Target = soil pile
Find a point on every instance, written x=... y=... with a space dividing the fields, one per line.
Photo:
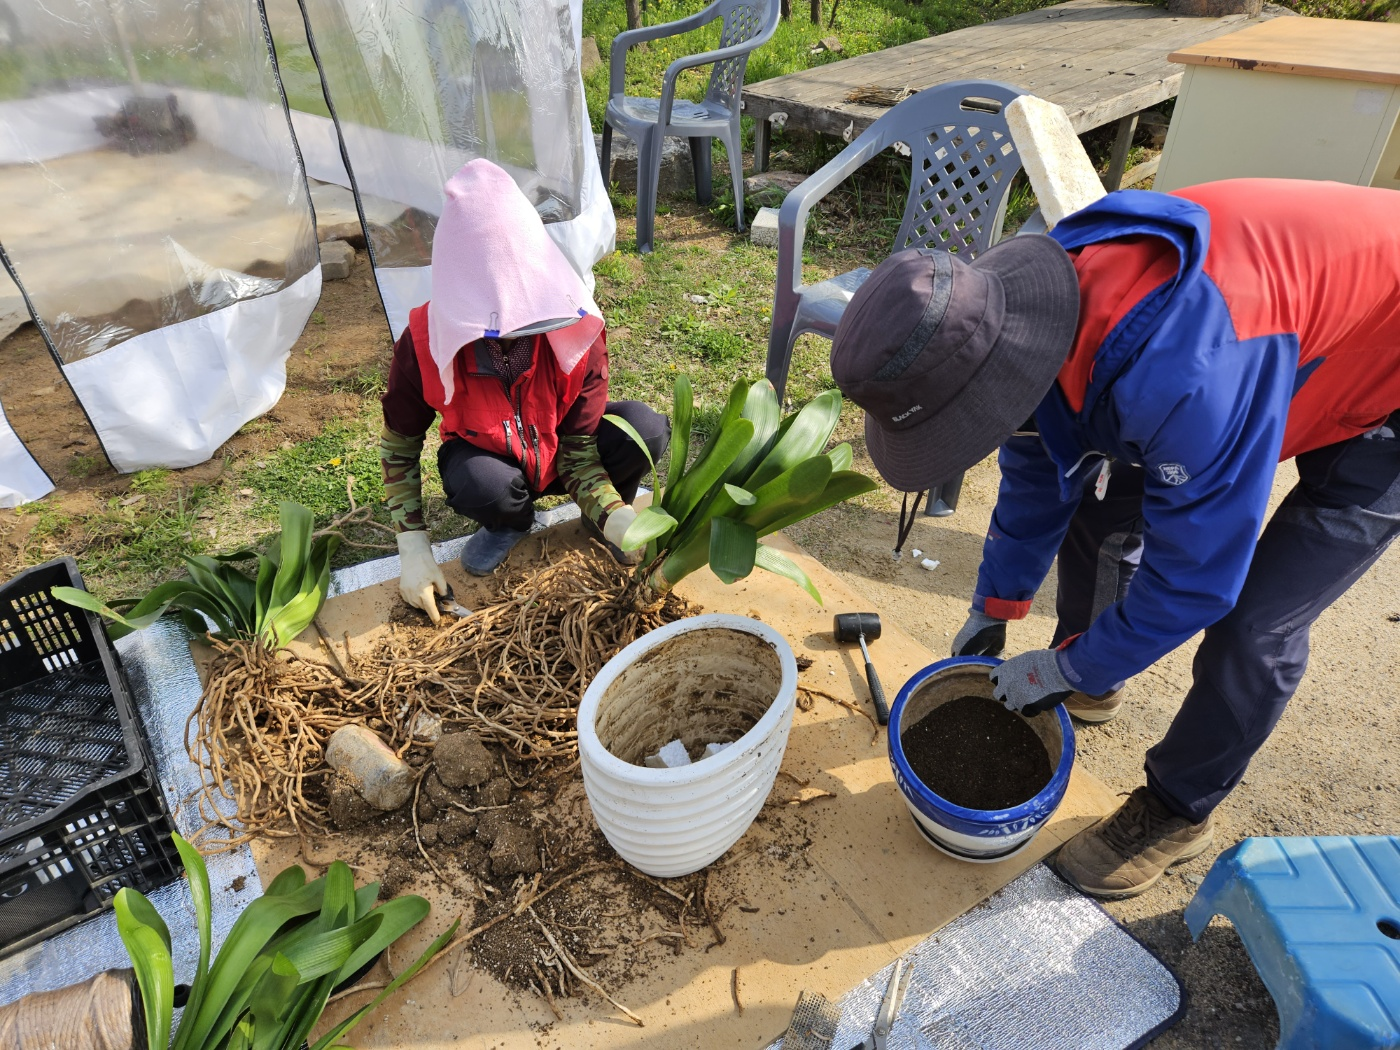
x=550 y=908
x=975 y=753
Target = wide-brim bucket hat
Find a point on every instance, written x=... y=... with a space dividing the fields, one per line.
x=949 y=357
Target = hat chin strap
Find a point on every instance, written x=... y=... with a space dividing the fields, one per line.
x=906 y=527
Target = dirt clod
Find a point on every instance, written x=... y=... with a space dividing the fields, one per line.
x=437 y=793
x=398 y=878
x=428 y=834
x=462 y=760
x=346 y=806
x=488 y=826
x=456 y=827
x=516 y=852
x=495 y=792
x=426 y=810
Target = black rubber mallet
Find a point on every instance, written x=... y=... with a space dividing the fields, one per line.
x=857 y=627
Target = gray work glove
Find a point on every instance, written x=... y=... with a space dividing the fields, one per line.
x=1032 y=682
x=982 y=635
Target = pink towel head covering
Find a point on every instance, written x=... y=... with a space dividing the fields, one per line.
x=496 y=270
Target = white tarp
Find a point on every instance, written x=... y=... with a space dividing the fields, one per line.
x=21 y=479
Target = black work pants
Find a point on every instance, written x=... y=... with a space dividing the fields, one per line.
x=492 y=489
x=1340 y=517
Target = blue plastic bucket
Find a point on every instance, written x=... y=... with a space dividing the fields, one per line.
x=976 y=835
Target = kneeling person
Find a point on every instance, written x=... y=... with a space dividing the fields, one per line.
x=512 y=354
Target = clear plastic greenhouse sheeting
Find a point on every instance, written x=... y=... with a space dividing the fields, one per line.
x=419 y=87
x=156 y=215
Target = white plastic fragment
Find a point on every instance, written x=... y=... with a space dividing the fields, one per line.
x=1061 y=174
x=382 y=779
x=930 y=564
x=917 y=553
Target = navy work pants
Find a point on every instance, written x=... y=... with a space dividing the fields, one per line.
x=492 y=490
x=1329 y=530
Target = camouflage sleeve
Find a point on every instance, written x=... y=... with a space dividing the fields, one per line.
x=581 y=470
x=403 y=479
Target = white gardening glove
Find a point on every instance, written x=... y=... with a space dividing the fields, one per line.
x=617 y=523
x=419 y=574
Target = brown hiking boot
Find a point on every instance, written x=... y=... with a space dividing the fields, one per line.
x=1128 y=851
x=1099 y=708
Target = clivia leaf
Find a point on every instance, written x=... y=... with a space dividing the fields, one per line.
x=147 y=941
x=631 y=431
x=741 y=497
x=777 y=562
x=732 y=548
x=651 y=523
x=682 y=411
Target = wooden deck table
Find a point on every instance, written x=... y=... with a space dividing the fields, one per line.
x=1102 y=60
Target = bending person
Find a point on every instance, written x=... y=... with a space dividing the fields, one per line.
x=511 y=352
x=1165 y=352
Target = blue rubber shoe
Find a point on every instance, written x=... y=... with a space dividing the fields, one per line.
x=487 y=548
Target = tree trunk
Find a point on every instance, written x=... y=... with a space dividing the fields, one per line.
x=634 y=14
x=816 y=12
x=785 y=9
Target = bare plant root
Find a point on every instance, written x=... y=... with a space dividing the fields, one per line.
x=515 y=670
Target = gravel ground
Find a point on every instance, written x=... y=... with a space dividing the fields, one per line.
x=1328 y=769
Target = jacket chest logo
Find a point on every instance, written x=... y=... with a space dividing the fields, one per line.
x=1174 y=473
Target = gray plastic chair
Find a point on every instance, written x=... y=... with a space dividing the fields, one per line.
x=748 y=24
x=963 y=161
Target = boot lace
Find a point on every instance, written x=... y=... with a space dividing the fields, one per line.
x=1135 y=825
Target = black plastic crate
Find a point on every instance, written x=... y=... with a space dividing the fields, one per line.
x=81 y=811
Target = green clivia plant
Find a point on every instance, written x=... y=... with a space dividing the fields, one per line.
x=757 y=473
x=273 y=606
x=276 y=970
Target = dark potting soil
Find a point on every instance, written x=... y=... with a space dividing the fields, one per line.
x=975 y=753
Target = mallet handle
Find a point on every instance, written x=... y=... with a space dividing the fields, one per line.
x=877 y=691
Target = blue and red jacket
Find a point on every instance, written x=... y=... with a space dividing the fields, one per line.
x=1222 y=328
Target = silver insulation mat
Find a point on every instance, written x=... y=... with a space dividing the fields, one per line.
x=1035 y=967
x=166 y=688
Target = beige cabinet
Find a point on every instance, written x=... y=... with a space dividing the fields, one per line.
x=1296 y=98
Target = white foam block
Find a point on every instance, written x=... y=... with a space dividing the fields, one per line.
x=669 y=757
x=1060 y=171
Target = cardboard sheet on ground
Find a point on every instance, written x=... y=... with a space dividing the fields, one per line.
x=870 y=888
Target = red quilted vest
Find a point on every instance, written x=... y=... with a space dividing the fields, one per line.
x=520 y=422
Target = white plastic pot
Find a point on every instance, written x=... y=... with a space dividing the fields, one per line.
x=706 y=679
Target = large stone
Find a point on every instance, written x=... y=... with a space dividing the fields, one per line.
x=787 y=181
x=337 y=260
x=367 y=764
x=1061 y=174
x=764 y=228
x=589 y=57
x=677 y=175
